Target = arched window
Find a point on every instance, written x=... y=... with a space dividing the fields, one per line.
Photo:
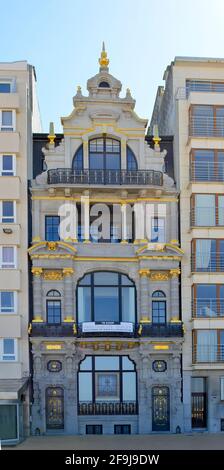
x=104 y=85
x=53 y=307
x=159 y=308
x=131 y=160
x=105 y=296
x=77 y=163
x=104 y=154
x=108 y=379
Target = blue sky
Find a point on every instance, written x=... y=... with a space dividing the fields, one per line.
x=62 y=39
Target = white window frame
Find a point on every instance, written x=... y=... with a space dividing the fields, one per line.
x=14 y=264
x=9 y=312
x=222 y=388
x=8 y=128
x=2 y=354
x=2 y=171
x=9 y=217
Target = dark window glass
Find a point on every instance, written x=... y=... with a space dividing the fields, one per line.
x=104 y=85
x=122 y=429
x=104 y=154
x=7 y=212
x=104 y=297
x=8 y=422
x=94 y=429
x=5 y=87
x=159 y=312
x=77 y=163
x=158 y=293
x=7 y=165
x=131 y=160
x=51 y=227
x=54 y=311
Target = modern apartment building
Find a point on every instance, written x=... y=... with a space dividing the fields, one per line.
x=191 y=107
x=19 y=117
x=106 y=332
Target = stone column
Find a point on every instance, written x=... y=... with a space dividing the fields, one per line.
x=37 y=293
x=36 y=230
x=123 y=153
x=68 y=295
x=144 y=294
x=174 y=294
x=124 y=227
x=85 y=154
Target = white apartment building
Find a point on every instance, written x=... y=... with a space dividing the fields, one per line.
x=19 y=117
x=191 y=107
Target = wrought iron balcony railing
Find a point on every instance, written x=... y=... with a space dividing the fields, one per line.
x=114 y=330
x=206 y=126
x=207 y=171
x=108 y=408
x=208 y=353
x=166 y=330
x=105 y=177
x=205 y=262
x=44 y=329
x=208 y=308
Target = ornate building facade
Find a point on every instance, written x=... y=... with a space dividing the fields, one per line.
x=106 y=332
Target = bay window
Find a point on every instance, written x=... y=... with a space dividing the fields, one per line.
x=8 y=349
x=7 y=120
x=208 y=346
x=106 y=297
x=207 y=210
x=7 y=302
x=7 y=257
x=208 y=255
x=7 y=165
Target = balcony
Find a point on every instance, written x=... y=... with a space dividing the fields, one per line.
x=108 y=408
x=208 y=353
x=206 y=262
x=207 y=171
x=206 y=126
x=163 y=330
x=105 y=177
x=45 y=330
x=208 y=308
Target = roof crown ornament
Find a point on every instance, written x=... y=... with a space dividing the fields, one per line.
x=156 y=139
x=51 y=136
x=103 y=60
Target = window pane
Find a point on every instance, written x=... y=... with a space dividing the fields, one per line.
x=106 y=304
x=5 y=88
x=85 y=386
x=221 y=210
x=206 y=302
x=86 y=364
x=51 y=228
x=86 y=280
x=106 y=363
x=127 y=364
x=96 y=161
x=7 y=301
x=105 y=278
x=8 y=211
x=8 y=346
x=205 y=209
x=107 y=386
x=54 y=311
x=198 y=385
x=158 y=230
x=129 y=386
x=207 y=346
x=125 y=281
x=7 y=118
x=7 y=162
x=128 y=304
x=8 y=422
x=7 y=256
x=206 y=255
x=113 y=161
x=84 y=304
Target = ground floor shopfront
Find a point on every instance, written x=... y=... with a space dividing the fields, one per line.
x=106 y=387
x=14 y=410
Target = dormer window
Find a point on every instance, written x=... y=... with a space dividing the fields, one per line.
x=104 y=85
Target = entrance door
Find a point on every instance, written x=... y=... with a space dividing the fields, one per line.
x=54 y=408
x=160 y=409
x=198 y=410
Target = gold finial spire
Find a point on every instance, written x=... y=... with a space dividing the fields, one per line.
x=103 y=60
x=51 y=136
x=156 y=139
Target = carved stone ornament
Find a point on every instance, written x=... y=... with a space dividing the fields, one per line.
x=159 y=276
x=52 y=275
